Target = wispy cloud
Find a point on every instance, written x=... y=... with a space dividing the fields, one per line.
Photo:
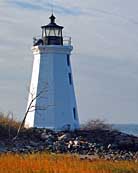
x=60 y=8
x=91 y=11
x=67 y=11
x=27 y=5
x=45 y=6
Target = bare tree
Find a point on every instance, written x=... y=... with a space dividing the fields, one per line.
x=31 y=107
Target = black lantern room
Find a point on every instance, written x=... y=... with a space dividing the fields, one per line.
x=52 y=33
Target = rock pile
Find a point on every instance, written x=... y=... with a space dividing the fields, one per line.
x=98 y=143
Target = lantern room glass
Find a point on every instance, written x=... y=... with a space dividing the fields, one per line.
x=53 y=32
x=43 y=32
x=58 y=32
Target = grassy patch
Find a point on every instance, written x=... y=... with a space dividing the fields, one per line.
x=52 y=163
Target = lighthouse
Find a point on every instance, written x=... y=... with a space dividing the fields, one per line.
x=52 y=102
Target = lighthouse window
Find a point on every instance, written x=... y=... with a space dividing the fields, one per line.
x=70 y=79
x=44 y=32
x=52 y=32
x=56 y=32
x=74 y=113
x=68 y=60
x=60 y=33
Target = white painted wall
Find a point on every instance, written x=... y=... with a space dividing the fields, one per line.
x=54 y=107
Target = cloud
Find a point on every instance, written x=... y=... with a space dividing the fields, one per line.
x=104 y=59
x=45 y=6
x=27 y=5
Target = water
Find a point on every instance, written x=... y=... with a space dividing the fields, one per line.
x=131 y=129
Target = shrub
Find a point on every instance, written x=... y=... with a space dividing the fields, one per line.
x=8 y=126
x=96 y=124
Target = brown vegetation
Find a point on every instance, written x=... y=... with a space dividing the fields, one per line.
x=96 y=124
x=52 y=163
x=5 y=120
x=8 y=126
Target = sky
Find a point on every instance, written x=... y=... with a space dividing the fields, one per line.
x=104 y=60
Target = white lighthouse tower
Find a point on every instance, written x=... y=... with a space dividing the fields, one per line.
x=52 y=102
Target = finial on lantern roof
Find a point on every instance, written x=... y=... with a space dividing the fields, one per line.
x=52 y=18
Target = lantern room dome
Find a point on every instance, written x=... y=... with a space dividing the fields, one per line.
x=52 y=33
x=52 y=23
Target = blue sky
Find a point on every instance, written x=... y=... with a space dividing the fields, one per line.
x=104 y=60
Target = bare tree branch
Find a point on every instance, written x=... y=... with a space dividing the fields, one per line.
x=30 y=106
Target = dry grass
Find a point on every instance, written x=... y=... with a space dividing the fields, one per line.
x=8 y=126
x=48 y=163
x=6 y=121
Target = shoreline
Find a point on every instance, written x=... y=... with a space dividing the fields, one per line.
x=105 y=144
